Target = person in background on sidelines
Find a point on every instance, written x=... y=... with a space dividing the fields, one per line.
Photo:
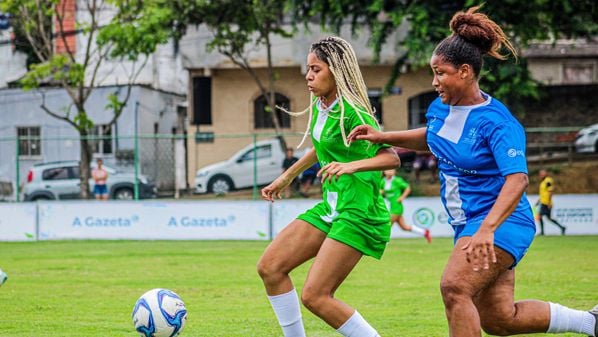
x=100 y=175
x=425 y=160
x=480 y=149
x=351 y=220
x=288 y=161
x=395 y=189
x=545 y=201
x=307 y=179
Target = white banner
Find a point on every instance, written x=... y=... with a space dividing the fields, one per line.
x=172 y=220
x=17 y=222
x=232 y=220
x=579 y=213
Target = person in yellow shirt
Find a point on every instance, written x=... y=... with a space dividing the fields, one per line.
x=545 y=201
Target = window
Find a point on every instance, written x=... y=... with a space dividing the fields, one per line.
x=375 y=97
x=418 y=106
x=102 y=144
x=58 y=173
x=263 y=118
x=262 y=152
x=29 y=142
x=578 y=73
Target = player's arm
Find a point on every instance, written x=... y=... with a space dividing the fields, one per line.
x=384 y=159
x=273 y=190
x=410 y=139
x=507 y=201
x=405 y=193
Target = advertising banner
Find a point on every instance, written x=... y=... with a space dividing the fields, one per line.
x=171 y=220
x=17 y=222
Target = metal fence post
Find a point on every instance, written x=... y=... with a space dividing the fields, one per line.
x=18 y=174
x=254 y=166
x=136 y=153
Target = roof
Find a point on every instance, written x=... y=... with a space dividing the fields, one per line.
x=562 y=49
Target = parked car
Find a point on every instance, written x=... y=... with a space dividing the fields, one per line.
x=237 y=171
x=61 y=180
x=587 y=139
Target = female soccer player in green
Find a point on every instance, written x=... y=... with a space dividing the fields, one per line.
x=395 y=189
x=352 y=220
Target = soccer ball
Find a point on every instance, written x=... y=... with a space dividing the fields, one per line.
x=3 y=277
x=159 y=313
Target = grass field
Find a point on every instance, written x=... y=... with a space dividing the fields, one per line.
x=88 y=288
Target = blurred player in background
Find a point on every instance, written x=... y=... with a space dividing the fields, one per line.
x=545 y=201
x=395 y=189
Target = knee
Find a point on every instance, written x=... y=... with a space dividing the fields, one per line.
x=267 y=269
x=453 y=292
x=312 y=299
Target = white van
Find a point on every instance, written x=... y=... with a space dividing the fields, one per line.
x=237 y=172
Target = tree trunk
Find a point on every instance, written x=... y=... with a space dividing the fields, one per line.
x=271 y=98
x=84 y=169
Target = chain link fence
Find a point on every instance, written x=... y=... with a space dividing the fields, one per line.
x=167 y=162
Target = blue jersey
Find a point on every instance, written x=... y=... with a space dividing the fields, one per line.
x=476 y=147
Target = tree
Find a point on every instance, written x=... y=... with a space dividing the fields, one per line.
x=238 y=27
x=426 y=24
x=75 y=71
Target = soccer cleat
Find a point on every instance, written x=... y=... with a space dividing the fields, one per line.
x=563 y=229
x=3 y=277
x=428 y=236
x=594 y=312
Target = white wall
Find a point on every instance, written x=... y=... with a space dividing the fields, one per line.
x=230 y=220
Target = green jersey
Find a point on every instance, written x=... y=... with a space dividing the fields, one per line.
x=352 y=210
x=393 y=188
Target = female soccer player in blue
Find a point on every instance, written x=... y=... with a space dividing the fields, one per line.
x=480 y=149
x=352 y=220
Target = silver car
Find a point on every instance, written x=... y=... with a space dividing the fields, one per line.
x=61 y=181
x=587 y=139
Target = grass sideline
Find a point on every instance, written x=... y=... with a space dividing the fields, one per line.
x=88 y=288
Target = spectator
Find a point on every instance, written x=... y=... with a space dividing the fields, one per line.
x=100 y=175
x=288 y=161
x=307 y=179
x=425 y=160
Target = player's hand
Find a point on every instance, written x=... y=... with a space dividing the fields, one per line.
x=365 y=132
x=334 y=170
x=275 y=189
x=479 y=250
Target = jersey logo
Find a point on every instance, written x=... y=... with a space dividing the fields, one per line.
x=512 y=153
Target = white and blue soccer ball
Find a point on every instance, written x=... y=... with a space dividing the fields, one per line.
x=159 y=313
x=3 y=277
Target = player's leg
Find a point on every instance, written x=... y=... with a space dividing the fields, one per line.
x=414 y=229
x=334 y=262
x=460 y=284
x=394 y=219
x=549 y=215
x=501 y=316
x=294 y=245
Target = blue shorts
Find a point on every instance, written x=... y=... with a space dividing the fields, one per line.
x=513 y=236
x=100 y=190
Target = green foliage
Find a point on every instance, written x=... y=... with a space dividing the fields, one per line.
x=422 y=24
x=88 y=288
x=58 y=69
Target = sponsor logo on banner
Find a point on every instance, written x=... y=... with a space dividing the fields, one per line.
x=188 y=221
x=423 y=217
x=92 y=221
x=578 y=215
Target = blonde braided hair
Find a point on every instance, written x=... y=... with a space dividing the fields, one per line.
x=340 y=58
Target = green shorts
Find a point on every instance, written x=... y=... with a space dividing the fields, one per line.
x=395 y=208
x=351 y=227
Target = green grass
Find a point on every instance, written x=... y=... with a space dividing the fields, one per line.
x=88 y=288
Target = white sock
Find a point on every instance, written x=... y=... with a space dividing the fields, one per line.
x=563 y=319
x=356 y=326
x=418 y=230
x=287 y=310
